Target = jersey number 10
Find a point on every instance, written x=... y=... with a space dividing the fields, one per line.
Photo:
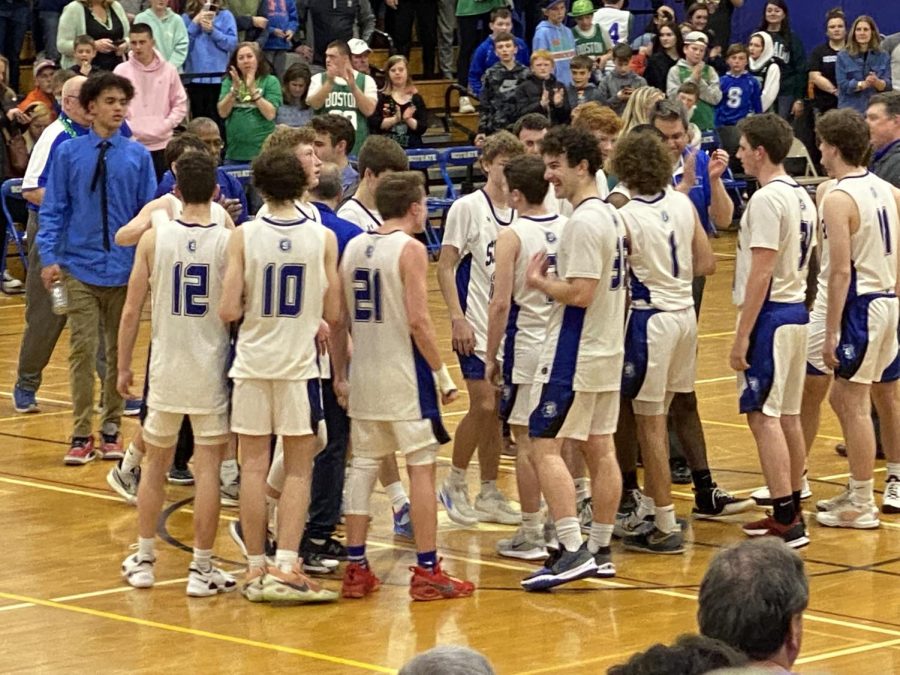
x=283 y=290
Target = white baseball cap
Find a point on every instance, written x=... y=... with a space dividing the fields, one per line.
x=358 y=47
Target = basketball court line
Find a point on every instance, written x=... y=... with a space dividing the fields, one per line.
x=222 y=637
x=93 y=594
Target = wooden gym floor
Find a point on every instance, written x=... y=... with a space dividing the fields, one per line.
x=64 y=607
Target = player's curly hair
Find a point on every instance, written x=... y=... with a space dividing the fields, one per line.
x=593 y=116
x=643 y=163
x=501 y=143
x=576 y=145
x=279 y=175
x=288 y=138
x=845 y=129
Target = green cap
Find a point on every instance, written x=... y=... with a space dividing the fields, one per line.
x=581 y=7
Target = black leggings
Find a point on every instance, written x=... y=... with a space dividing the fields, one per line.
x=472 y=32
x=425 y=13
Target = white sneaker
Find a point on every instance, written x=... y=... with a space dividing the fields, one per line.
x=850 y=514
x=523 y=546
x=229 y=495
x=838 y=500
x=763 y=497
x=494 y=507
x=585 y=514
x=125 y=483
x=203 y=584
x=891 y=501
x=455 y=499
x=465 y=105
x=138 y=572
x=13 y=285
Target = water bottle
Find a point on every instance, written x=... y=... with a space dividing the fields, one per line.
x=59 y=297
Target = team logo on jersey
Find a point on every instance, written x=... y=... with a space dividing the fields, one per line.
x=665 y=217
x=550 y=236
x=285 y=244
x=192 y=245
x=549 y=409
x=370 y=251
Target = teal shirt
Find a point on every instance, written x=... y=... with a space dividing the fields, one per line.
x=170 y=35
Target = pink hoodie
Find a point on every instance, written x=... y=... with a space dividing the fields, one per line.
x=159 y=103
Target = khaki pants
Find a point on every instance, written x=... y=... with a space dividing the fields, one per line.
x=89 y=306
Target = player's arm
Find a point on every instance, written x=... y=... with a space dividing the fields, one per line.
x=575 y=291
x=232 y=306
x=701 y=250
x=462 y=334
x=762 y=266
x=331 y=303
x=138 y=286
x=838 y=211
x=721 y=207
x=413 y=274
x=130 y=233
x=339 y=349
x=505 y=254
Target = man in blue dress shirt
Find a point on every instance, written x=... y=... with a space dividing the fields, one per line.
x=97 y=183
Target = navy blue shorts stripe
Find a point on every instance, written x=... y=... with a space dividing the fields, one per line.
x=634 y=370
x=548 y=418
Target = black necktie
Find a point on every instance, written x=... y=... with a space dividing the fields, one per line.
x=100 y=177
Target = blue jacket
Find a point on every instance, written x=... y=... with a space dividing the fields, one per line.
x=741 y=96
x=229 y=187
x=853 y=69
x=72 y=232
x=281 y=14
x=559 y=41
x=344 y=230
x=209 y=52
x=485 y=56
x=701 y=193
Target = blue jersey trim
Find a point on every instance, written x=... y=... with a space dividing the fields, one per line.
x=463 y=276
x=569 y=340
x=509 y=347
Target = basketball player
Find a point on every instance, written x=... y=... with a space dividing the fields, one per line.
x=392 y=396
x=521 y=313
x=580 y=364
x=465 y=274
x=667 y=248
x=769 y=350
x=861 y=216
x=282 y=280
x=379 y=156
x=300 y=141
x=183 y=262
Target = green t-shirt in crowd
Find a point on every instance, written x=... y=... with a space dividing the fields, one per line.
x=245 y=128
x=476 y=7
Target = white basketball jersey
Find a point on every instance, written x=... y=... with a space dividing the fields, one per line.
x=189 y=342
x=306 y=210
x=660 y=260
x=562 y=206
x=584 y=347
x=284 y=287
x=780 y=216
x=530 y=309
x=216 y=210
x=615 y=21
x=820 y=304
x=473 y=223
x=389 y=379
x=873 y=248
x=354 y=211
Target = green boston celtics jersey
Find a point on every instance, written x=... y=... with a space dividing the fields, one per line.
x=340 y=101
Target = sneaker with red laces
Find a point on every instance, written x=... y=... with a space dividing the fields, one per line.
x=111 y=447
x=359 y=581
x=435 y=585
x=81 y=451
x=793 y=534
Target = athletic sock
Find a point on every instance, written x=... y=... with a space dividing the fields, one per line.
x=599 y=538
x=532 y=523
x=272 y=513
x=203 y=559
x=397 y=495
x=427 y=560
x=665 y=518
x=862 y=491
x=132 y=458
x=488 y=487
x=630 y=480
x=796 y=497
x=568 y=532
x=582 y=488
x=285 y=559
x=702 y=480
x=147 y=548
x=457 y=476
x=228 y=472
x=357 y=554
x=783 y=509
x=256 y=562
x=893 y=469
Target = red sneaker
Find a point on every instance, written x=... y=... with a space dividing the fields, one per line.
x=435 y=585
x=111 y=447
x=81 y=452
x=359 y=581
x=794 y=534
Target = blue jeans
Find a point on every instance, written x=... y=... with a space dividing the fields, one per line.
x=14 y=22
x=50 y=24
x=327 y=488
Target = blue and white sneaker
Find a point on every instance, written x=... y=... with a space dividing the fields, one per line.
x=562 y=567
x=133 y=406
x=24 y=401
x=403 y=523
